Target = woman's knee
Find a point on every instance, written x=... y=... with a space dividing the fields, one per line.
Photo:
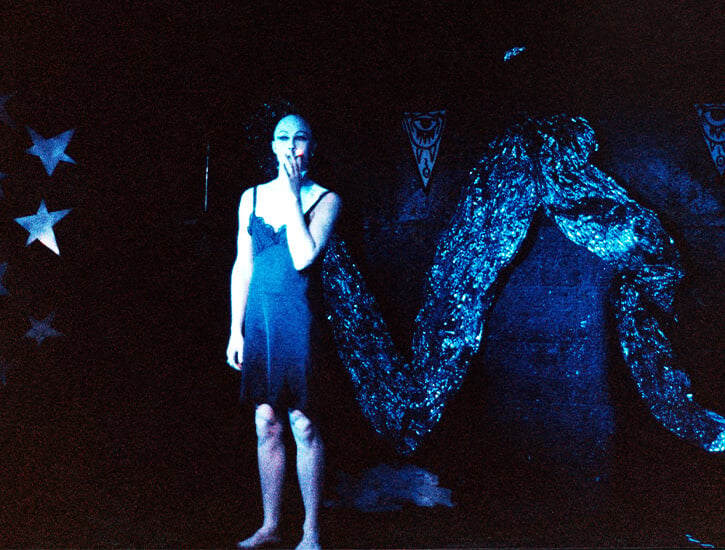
x=304 y=430
x=267 y=424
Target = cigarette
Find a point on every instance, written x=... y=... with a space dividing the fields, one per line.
x=299 y=152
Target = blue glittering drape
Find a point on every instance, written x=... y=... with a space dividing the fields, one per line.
x=535 y=164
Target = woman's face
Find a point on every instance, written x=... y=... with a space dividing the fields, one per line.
x=293 y=136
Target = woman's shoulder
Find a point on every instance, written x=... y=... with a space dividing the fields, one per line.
x=246 y=197
x=259 y=189
x=322 y=199
x=320 y=192
x=246 y=201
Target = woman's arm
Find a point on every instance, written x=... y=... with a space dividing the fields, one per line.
x=307 y=241
x=241 y=275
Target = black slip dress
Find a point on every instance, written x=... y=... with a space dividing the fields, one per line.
x=281 y=319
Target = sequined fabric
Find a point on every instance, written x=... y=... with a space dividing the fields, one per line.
x=535 y=164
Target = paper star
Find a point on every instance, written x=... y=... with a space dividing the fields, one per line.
x=4 y=117
x=3 y=268
x=41 y=225
x=52 y=150
x=42 y=329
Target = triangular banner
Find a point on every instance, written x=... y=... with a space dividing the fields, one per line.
x=712 y=118
x=424 y=132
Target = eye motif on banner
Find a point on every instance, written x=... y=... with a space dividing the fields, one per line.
x=40 y=226
x=712 y=118
x=424 y=132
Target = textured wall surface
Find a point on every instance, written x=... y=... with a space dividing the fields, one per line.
x=548 y=385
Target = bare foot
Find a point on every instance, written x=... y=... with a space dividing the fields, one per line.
x=309 y=542
x=260 y=539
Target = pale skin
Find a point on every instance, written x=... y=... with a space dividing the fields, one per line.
x=283 y=201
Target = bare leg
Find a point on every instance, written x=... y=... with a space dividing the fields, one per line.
x=310 y=466
x=271 y=458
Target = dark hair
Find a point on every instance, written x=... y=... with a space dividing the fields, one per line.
x=259 y=131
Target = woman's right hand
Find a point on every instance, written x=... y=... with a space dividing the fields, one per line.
x=291 y=169
x=234 y=350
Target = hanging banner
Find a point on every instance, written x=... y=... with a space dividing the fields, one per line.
x=712 y=118
x=424 y=132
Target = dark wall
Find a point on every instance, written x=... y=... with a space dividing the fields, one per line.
x=150 y=85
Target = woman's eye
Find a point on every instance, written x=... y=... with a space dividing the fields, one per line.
x=282 y=138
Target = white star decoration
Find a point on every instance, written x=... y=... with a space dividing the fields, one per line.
x=42 y=329
x=4 y=117
x=3 y=268
x=52 y=150
x=40 y=226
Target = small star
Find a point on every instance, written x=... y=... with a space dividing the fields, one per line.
x=4 y=117
x=42 y=329
x=52 y=150
x=3 y=269
x=41 y=225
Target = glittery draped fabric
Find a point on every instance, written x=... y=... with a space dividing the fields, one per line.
x=535 y=164
x=594 y=212
x=382 y=388
x=485 y=234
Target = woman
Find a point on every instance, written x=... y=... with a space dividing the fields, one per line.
x=284 y=226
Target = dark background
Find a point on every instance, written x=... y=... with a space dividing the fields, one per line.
x=126 y=431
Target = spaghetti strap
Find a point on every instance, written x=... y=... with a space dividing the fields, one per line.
x=311 y=208
x=254 y=201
